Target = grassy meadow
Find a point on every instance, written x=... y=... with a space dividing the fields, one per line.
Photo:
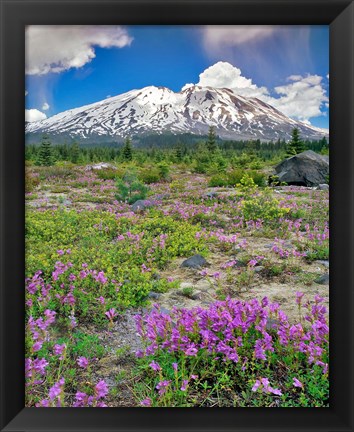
x=114 y=319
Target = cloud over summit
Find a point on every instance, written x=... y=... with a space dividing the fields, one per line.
x=302 y=97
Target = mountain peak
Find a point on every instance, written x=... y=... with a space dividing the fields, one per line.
x=158 y=110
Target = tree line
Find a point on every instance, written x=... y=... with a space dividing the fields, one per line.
x=200 y=152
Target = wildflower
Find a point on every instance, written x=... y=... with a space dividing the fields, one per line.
x=175 y=366
x=252 y=263
x=146 y=402
x=39 y=365
x=101 y=278
x=299 y=296
x=37 y=346
x=56 y=390
x=162 y=387
x=101 y=300
x=82 y=362
x=155 y=366
x=58 y=349
x=43 y=403
x=80 y=399
x=263 y=385
x=297 y=383
x=110 y=314
x=101 y=389
x=184 y=385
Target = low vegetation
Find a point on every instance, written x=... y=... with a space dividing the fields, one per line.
x=111 y=312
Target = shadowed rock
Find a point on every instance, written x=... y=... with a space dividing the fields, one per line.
x=196 y=261
x=304 y=169
x=323 y=280
x=141 y=205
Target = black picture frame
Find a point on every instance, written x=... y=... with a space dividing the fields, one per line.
x=339 y=15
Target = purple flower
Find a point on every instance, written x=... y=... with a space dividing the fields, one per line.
x=82 y=362
x=162 y=387
x=80 y=399
x=101 y=389
x=58 y=349
x=101 y=278
x=101 y=300
x=56 y=390
x=297 y=383
x=299 y=296
x=184 y=385
x=37 y=346
x=175 y=366
x=110 y=314
x=155 y=366
x=146 y=402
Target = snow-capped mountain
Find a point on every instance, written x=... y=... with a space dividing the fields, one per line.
x=157 y=110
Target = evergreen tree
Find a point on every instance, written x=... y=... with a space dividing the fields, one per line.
x=45 y=156
x=211 y=142
x=179 y=154
x=295 y=146
x=324 y=144
x=74 y=153
x=127 y=150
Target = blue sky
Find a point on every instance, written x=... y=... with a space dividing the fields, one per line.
x=70 y=66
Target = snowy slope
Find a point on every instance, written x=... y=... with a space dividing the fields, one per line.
x=159 y=110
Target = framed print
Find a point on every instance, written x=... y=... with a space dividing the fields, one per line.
x=183 y=165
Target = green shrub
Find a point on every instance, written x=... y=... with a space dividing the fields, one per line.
x=130 y=189
x=31 y=181
x=218 y=180
x=107 y=174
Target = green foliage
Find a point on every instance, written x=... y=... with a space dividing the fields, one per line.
x=211 y=141
x=87 y=345
x=45 y=156
x=296 y=145
x=127 y=151
x=234 y=177
x=260 y=206
x=31 y=181
x=74 y=153
x=164 y=170
x=107 y=174
x=130 y=189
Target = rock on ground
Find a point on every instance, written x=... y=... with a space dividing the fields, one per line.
x=196 y=261
x=304 y=169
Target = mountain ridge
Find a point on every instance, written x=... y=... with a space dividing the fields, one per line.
x=157 y=110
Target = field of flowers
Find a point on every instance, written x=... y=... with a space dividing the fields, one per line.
x=113 y=319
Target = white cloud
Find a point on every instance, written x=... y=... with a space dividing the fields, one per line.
x=301 y=98
x=32 y=115
x=58 y=48
x=223 y=74
x=26 y=92
x=45 y=106
x=219 y=36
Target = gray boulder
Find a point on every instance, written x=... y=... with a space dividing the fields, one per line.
x=323 y=280
x=153 y=295
x=99 y=166
x=196 y=261
x=141 y=205
x=323 y=187
x=304 y=169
